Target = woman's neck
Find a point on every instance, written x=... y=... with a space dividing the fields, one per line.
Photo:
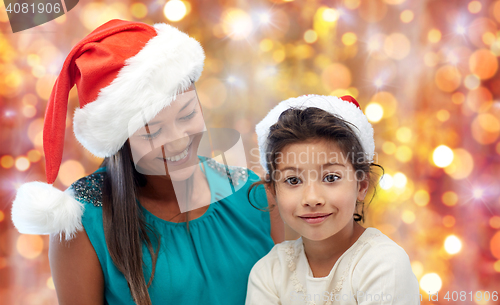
x=167 y=198
x=322 y=255
x=158 y=188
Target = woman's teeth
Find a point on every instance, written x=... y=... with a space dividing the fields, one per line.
x=180 y=156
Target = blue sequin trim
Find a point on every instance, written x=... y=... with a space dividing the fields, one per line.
x=235 y=174
x=89 y=189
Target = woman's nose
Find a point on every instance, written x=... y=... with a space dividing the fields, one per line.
x=176 y=146
x=174 y=140
x=312 y=195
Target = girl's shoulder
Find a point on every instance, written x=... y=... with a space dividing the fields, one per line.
x=371 y=247
x=379 y=244
x=280 y=256
x=382 y=266
x=378 y=251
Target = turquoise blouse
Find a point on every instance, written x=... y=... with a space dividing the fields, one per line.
x=208 y=265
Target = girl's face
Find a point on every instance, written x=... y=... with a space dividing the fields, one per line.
x=168 y=144
x=317 y=189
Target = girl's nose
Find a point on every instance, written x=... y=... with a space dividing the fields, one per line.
x=312 y=195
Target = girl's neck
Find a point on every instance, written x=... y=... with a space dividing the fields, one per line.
x=322 y=255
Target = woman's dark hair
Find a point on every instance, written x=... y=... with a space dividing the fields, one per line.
x=124 y=227
x=311 y=124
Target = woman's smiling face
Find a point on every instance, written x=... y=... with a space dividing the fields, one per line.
x=168 y=144
x=316 y=189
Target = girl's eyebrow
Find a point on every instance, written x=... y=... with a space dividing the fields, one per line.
x=290 y=168
x=183 y=107
x=300 y=169
x=333 y=163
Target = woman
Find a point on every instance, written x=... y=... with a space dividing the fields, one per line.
x=156 y=223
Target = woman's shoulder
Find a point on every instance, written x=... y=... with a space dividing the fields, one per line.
x=234 y=183
x=88 y=190
x=236 y=174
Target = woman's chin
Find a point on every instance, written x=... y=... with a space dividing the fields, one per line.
x=183 y=173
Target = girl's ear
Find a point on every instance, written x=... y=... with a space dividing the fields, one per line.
x=269 y=186
x=363 y=188
x=271 y=189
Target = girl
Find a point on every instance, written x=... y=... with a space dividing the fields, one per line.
x=156 y=223
x=318 y=152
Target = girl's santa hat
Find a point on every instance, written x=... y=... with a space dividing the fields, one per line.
x=345 y=107
x=120 y=69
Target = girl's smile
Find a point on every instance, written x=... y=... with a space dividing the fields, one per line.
x=315 y=218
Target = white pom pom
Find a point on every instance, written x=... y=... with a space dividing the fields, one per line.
x=40 y=208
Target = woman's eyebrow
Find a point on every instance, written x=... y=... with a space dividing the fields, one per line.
x=151 y=123
x=183 y=107
x=187 y=104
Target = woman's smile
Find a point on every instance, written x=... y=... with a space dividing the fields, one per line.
x=179 y=158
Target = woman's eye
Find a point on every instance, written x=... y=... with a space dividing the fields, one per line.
x=189 y=116
x=331 y=178
x=151 y=136
x=292 y=180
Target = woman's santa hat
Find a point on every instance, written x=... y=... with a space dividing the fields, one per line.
x=120 y=69
x=345 y=107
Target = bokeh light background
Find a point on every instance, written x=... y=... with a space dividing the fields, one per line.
x=425 y=73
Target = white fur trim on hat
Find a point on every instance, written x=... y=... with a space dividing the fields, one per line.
x=332 y=104
x=149 y=81
x=40 y=208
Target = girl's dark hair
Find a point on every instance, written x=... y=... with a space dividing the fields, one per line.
x=311 y=124
x=124 y=226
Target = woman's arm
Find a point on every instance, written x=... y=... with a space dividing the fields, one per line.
x=76 y=270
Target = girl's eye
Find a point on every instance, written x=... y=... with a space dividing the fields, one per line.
x=292 y=180
x=189 y=116
x=331 y=178
x=151 y=135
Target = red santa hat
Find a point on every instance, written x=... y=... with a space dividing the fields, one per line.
x=120 y=69
x=345 y=107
